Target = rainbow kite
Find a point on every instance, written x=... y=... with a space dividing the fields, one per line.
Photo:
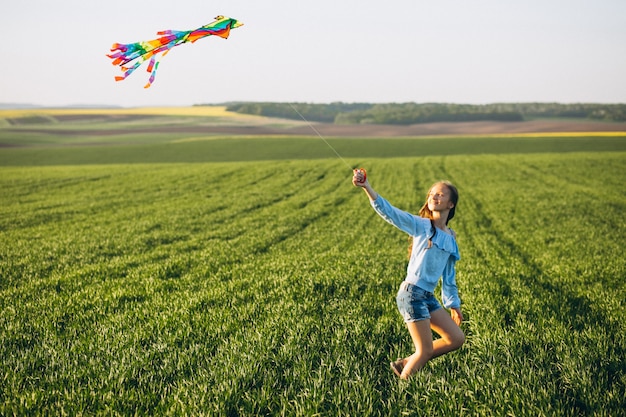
x=124 y=54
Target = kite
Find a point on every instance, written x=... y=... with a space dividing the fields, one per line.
x=124 y=54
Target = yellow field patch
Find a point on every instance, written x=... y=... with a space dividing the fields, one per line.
x=552 y=134
x=505 y=135
x=206 y=111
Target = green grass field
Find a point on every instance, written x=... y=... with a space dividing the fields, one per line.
x=265 y=286
x=176 y=135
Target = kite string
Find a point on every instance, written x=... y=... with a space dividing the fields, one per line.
x=320 y=136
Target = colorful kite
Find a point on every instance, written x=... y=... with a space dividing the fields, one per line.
x=124 y=54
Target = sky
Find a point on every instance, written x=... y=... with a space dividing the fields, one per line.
x=53 y=53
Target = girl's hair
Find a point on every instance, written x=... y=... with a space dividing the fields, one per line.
x=426 y=213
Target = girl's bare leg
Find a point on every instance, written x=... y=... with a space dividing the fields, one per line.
x=452 y=337
x=423 y=341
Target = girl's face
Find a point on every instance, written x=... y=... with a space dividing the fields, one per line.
x=439 y=198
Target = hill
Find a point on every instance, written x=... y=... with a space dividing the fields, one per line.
x=185 y=122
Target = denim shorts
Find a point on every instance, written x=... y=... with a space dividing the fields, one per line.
x=414 y=303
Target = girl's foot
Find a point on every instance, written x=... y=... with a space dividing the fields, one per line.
x=397 y=367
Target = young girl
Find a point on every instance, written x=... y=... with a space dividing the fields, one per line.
x=433 y=254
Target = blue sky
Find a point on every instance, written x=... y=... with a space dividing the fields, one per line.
x=457 y=51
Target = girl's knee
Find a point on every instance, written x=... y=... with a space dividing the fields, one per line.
x=425 y=352
x=457 y=340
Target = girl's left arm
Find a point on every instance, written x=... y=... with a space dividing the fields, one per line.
x=450 y=292
x=399 y=218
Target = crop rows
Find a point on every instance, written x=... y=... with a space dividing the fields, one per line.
x=268 y=288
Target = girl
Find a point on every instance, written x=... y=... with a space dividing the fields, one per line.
x=433 y=254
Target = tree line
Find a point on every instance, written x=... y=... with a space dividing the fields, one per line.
x=412 y=113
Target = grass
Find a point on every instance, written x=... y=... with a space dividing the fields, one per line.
x=267 y=287
x=161 y=149
x=182 y=274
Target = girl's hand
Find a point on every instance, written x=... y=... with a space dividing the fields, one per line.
x=359 y=177
x=456 y=315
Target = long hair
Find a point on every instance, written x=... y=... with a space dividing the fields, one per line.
x=428 y=214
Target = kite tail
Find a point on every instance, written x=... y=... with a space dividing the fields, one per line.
x=128 y=71
x=153 y=66
x=152 y=69
x=122 y=54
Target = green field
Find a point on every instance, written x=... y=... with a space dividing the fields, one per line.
x=179 y=135
x=265 y=284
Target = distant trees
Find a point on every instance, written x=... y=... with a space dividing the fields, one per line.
x=606 y=112
x=412 y=113
x=313 y=112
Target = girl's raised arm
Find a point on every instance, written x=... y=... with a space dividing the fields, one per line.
x=359 y=179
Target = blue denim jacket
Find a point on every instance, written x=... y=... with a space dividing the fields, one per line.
x=426 y=265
